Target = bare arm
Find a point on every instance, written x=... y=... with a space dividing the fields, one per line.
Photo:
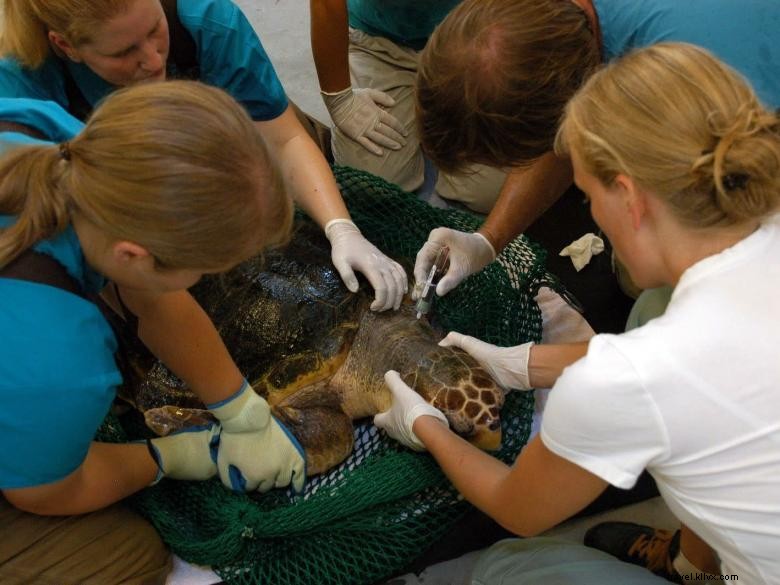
x=536 y=493
x=330 y=43
x=527 y=193
x=546 y=362
x=305 y=172
x=109 y=473
x=180 y=333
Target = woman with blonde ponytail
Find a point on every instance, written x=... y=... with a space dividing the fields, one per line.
x=76 y=52
x=167 y=182
x=681 y=165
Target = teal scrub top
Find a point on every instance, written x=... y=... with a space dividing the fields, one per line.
x=45 y=116
x=230 y=57
x=405 y=22
x=58 y=376
x=743 y=33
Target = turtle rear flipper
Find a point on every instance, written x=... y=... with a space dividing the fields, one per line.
x=324 y=432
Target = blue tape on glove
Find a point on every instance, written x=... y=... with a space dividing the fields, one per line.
x=237 y=481
x=298 y=446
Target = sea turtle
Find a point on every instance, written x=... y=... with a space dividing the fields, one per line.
x=318 y=355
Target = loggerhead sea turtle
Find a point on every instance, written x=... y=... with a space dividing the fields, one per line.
x=318 y=355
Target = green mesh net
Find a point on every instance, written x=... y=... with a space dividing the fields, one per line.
x=366 y=519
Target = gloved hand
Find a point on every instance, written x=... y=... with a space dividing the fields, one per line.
x=256 y=452
x=350 y=251
x=407 y=406
x=359 y=115
x=187 y=454
x=469 y=253
x=507 y=365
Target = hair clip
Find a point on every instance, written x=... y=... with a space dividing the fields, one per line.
x=64 y=150
x=734 y=181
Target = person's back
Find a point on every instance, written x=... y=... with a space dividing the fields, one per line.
x=751 y=45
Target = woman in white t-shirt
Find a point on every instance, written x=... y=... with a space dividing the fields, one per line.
x=681 y=165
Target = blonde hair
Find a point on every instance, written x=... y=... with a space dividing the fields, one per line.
x=495 y=76
x=177 y=167
x=684 y=126
x=26 y=24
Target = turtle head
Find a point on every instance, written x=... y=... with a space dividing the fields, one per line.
x=455 y=383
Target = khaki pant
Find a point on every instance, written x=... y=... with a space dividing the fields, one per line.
x=378 y=63
x=112 y=546
x=551 y=561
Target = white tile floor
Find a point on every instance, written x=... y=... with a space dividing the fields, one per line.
x=283 y=27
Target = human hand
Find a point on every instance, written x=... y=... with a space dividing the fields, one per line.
x=256 y=452
x=350 y=251
x=469 y=253
x=507 y=365
x=407 y=406
x=187 y=454
x=358 y=113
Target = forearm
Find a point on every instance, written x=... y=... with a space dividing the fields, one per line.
x=179 y=332
x=527 y=193
x=330 y=43
x=110 y=473
x=305 y=172
x=532 y=496
x=546 y=362
x=474 y=473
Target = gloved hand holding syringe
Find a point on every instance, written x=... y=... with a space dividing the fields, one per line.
x=428 y=291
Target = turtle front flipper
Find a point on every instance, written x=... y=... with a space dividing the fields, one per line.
x=314 y=416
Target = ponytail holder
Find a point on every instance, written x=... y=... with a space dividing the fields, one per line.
x=64 y=150
x=734 y=181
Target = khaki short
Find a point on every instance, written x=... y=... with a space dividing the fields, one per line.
x=110 y=546
x=378 y=63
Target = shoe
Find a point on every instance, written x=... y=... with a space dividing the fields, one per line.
x=654 y=549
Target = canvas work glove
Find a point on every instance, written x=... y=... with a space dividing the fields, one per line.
x=187 y=454
x=507 y=365
x=351 y=251
x=358 y=114
x=256 y=452
x=407 y=406
x=469 y=253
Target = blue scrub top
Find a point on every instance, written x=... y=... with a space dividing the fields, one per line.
x=58 y=376
x=45 y=116
x=405 y=22
x=230 y=57
x=743 y=33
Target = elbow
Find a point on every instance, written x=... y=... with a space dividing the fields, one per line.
x=30 y=505
x=523 y=527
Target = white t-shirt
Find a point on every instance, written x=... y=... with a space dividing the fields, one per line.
x=694 y=397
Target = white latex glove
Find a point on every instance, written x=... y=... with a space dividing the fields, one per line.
x=350 y=251
x=507 y=365
x=469 y=253
x=407 y=406
x=358 y=113
x=256 y=452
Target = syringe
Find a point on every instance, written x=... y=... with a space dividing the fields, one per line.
x=425 y=302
